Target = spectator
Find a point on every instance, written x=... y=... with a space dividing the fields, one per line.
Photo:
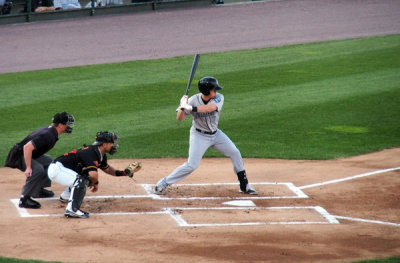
x=5 y=7
x=67 y=4
x=39 y=5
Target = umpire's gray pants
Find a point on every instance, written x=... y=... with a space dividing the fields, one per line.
x=39 y=178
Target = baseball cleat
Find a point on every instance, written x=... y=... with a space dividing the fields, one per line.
x=77 y=214
x=249 y=190
x=158 y=190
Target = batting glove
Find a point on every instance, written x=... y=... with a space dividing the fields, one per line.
x=186 y=107
x=184 y=100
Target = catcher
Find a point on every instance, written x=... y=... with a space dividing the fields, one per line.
x=77 y=170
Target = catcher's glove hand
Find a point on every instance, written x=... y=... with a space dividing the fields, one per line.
x=132 y=168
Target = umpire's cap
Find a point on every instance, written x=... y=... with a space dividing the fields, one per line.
x=105 y=136
x=208 y=83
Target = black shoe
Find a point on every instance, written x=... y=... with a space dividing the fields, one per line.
x=29 y=203
x=44 y=193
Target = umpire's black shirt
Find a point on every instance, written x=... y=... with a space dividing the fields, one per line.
x=43 y=139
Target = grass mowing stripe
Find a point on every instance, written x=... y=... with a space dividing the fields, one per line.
x=293 y=84
x=96 y=78
x=285 y=97
x=161 y=93
x=325 y=131
x=310 y=71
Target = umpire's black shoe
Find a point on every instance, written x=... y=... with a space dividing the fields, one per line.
x=44 y=193
x=28 y=202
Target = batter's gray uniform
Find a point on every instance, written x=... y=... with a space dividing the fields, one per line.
x=204 y=133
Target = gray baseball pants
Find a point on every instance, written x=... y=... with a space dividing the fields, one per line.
x=198 y=145
x=39 y=178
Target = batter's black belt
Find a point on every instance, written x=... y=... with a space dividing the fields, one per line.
x=206 y=132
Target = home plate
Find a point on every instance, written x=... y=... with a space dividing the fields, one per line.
x=240 y=203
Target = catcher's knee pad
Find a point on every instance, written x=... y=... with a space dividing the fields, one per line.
x=79 y=191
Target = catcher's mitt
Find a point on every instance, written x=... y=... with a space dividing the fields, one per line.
x=132 y=168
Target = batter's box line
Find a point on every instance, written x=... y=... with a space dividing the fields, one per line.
x=329 y=219
x=367 y=220
x=349 y=178
x=23 y=212
x=298 y=193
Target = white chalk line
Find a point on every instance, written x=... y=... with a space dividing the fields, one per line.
x=349 y=178
x=23 y=212
x=148 y=188
x=183 y=223
x=103 y=197
x=296 y=191
x=331 y=219
x=366 y=220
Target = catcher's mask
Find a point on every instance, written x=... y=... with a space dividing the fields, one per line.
x=66 y=119
x=208 y=83
x=104 y=137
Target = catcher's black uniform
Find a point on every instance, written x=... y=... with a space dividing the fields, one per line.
x=84 y=160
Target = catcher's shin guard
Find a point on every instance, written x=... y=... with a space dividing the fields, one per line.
x=78 y=192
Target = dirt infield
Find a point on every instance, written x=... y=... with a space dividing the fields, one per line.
x=300 y=215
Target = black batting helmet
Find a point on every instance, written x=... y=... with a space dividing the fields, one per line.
x=208 y=83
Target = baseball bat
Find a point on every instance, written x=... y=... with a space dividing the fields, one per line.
x=192 y=71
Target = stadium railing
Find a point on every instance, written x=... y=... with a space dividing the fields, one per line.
x=18 y=16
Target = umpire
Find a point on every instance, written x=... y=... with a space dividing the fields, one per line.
x=30 y=157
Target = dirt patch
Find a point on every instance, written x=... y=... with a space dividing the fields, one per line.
x=282 y=225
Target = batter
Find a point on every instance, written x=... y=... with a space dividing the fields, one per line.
x=205 y=108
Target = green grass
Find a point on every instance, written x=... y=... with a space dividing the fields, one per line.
x=14 y=260
x=381 y=260
x=313 y=101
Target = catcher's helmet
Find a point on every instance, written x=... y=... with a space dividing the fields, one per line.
x=105 y=136
x=66 y=119
x=208 y=83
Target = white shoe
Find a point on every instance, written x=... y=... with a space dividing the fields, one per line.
x=249 y=190
x=77 y=214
